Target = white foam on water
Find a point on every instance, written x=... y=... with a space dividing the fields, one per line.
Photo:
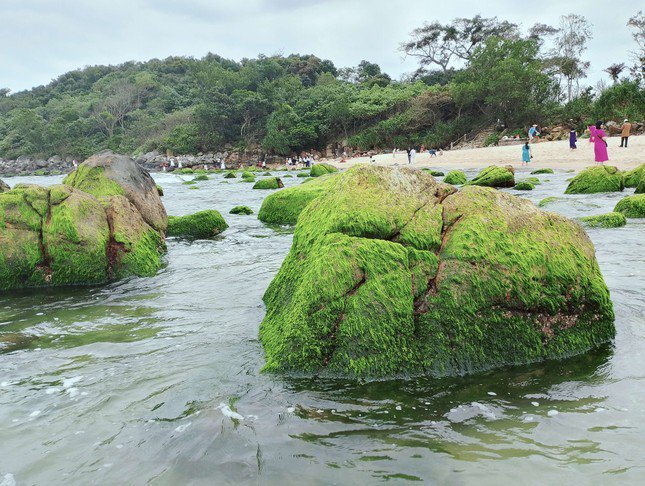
x=40 y=313
x=227 y=412
x=492 y=394
x=599 y=409
x=535 y=404
x=8 y=480
x=52 y=390
x=69 y=382
x=398 y=407
x=72 y=392
x=291 y=409
x=552 y=413
x=180 y=429
x=4 y=383
x=528 y=418
x=35 y=413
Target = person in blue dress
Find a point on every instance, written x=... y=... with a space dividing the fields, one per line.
x=526 y=154
x=573 y=138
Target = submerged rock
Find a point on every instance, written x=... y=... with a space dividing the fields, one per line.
x=434 y=173
x=393 y=273
x=203 y=224
x=455 y=177
x=241 y=210
x=303 y=174
x=549 y=200
x=318 y=170
x=494 y=176
x=542 y=171
x=524 y=186
x=609 y=220
x=284 y=207
x=270 y=183
x=230 y=175
x=632 y=206
x=201 y=177
x=604 y=178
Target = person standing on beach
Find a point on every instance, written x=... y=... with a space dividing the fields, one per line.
x=413 y=154
x=533 y=133
x=409 y=155
x=573 y=138
x=599 y=144
x=526 y=154
x=625 y=133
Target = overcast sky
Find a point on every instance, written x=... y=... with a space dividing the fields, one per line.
x=41 y=39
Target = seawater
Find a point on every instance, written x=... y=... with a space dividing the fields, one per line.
x=157 y=380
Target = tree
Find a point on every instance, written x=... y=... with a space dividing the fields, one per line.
x=637 y=22
x=614 y=71
x=4 y=92
x=438 y=44
x=570 y=43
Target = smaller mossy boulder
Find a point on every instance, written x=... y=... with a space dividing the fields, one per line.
x=287 y=175
x=609 y=220
x=632 y=206
x=247 y=174
x=596 y=179
x=455 y=177
x=543 y=171
x=494 y=176
x=434 y=173
x=188 y=183
x=241 y=210
x=270 y=183
x=303 y=174
x=533 y=180
x=640 y=188
x=159 y=190
x=524 y=186
x=634 y=176
x=230 y=175
x=267 y=173
x=318 y=170
x=201 y=177
x=203 y=224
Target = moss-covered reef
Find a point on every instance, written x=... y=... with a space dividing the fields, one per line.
x=542 y=171
x=159 y=190
x=248 y=175
x=549 y=200
x=609 y=220
x=640 y=188
x=284 y=207
x=109 y=174
x=596 y=179
x=63 y=236
x=634 y=176
x=455 y=177
x=203 y=224
x=494 y=176
x=524 y=186
x=318 y=170
x=391 y=273
x=433 y=172
x=241 y=210
x=632 y=206
x=269 y=183
x=4 y=186
x=230 y=175
x=201 y=177
x=303 y=174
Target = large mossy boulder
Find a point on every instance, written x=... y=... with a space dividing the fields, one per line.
x=63 y=236
x=605 y=178
x=284 y=207
x=109 y=174
x=203 y=224
x=269 y=183
x=318 y=170
x=609 y=220
x=634 y=176
x=455 y=177
x=391 y=273
x=494 y=176
x=632 y=206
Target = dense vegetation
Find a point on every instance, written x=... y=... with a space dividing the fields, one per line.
x=474 y=73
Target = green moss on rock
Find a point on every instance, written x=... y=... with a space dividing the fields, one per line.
x=433 y=172
x=230 y=175
x=524 y=186
x=318 y=170
x=494 y=176
x=549 y=200
x=159 y=190
x=270 y=183
x=455 y=177
x=284 y=207
x=542 y=171
x=632 y=206
x=609 y=220
x=392 y=273
x=596 y=179
x=634 y=176
x=248 y=175
x=201 y=177
x=241 y=210
x=203 y=224
x=4 y=186
x=640 y=188
x=303 y=174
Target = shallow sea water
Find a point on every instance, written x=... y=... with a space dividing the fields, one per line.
x=157 y=380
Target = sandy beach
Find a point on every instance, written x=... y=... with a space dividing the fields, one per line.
x=555 y=155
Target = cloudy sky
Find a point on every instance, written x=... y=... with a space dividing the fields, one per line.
x=41 y=39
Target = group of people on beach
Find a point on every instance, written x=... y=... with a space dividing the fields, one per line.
x=597 y=136
x=305 y=160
